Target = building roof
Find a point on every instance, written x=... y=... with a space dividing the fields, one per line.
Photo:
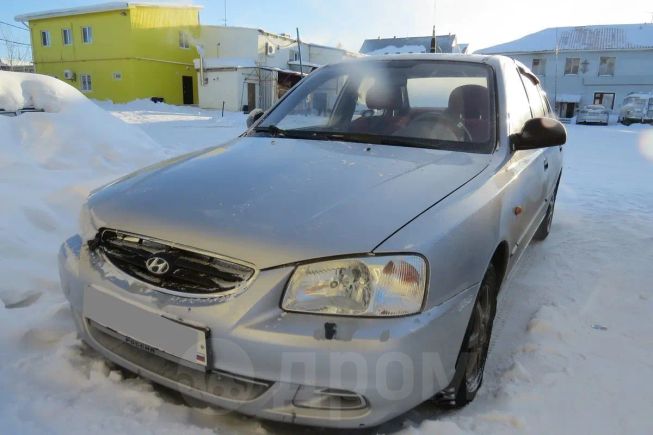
x=595 y=38
x=14 y=62
x=416 y=44
x=102 y=7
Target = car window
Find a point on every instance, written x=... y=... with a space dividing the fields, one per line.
x=429 y=103
x=534 y=97
x=315 y=109
x=518 y=106
x=545 y=102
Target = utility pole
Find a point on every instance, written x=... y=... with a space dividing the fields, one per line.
x=299 y=48
x=225 y=13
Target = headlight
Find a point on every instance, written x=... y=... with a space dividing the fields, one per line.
x=382 y=286
x=86 y=228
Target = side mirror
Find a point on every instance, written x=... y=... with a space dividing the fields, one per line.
x=253 y=116
x=539 y=133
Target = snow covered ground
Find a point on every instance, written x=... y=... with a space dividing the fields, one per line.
x=573 y=345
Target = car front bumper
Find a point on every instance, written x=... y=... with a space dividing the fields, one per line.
x=277 y=365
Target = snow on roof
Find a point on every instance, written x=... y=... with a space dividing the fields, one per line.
x=393 y=49
x=604 y=37
x=568 y=98
x=14 y=62
x=102 y=7
x=226 y=62
x=417 y=44
x=303 y=63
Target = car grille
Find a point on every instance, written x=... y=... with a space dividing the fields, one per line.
x=186 y=271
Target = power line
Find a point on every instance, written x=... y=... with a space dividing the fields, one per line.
x=13 y=25
x=15 y=42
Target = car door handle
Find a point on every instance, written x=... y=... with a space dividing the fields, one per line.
x=546 y=164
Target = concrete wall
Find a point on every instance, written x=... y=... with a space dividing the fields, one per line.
x=633 y=73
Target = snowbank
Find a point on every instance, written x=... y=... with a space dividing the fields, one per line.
x=50 y=382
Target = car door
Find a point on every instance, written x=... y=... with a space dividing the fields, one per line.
x=524 y=198
x=553 y=155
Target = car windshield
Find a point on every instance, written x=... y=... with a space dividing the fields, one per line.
x=421 y=103
x=635 y=101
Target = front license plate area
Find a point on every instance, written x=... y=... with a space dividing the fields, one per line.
x=146 y=329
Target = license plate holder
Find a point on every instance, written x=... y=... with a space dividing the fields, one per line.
x=147 y=329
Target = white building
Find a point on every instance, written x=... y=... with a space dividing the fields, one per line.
x=244 y=68
x=588 y=64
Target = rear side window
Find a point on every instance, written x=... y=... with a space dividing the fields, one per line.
x=534 y=98
x=519 y=108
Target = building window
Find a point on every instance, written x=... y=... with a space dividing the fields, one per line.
x=605 y=99
x=183 y=40
x=87 y=85
x=87 y=35
x=45 y=38
x=67 y=36
x=606 y=67
x=117 y=75
x=571 y=65
x=538 y=66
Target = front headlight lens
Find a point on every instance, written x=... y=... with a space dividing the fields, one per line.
x=381 y=286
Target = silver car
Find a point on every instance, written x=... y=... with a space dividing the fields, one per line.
x=331 y=267
x=593 y=114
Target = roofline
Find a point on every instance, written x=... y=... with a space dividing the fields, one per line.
x=565 y=50
x=102 y=7
x=280 y=36
x=482 y=51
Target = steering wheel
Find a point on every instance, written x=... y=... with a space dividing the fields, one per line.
x=457 y=128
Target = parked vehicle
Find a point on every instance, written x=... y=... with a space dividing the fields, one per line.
x=336 y=272
x=593 y=114
x=637 y=108
x=12 y=113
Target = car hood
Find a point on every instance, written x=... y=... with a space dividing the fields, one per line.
x=270 y=201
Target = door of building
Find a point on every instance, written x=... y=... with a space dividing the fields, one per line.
x=251 y=96
x=187 y=89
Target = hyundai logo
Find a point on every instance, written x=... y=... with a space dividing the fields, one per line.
x=157 y=265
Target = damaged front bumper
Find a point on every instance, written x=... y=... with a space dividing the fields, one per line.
x=308 y=369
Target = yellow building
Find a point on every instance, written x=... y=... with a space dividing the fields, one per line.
x=119 y=51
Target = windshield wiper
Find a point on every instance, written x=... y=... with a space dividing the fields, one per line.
x=272 y=129
x=385 y=140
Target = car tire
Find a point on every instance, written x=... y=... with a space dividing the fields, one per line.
x=545 y=227
x=470 y=364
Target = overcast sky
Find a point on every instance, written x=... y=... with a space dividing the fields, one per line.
x=481 y=23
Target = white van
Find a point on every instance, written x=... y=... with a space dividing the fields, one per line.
x=637 y=107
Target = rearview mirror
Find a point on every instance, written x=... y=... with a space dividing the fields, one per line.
x=253 y=116
x=539 y=133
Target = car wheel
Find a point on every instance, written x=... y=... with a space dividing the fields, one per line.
x=545 y=227
x=470 y=365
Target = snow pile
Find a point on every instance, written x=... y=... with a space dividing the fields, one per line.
x=49 y=382
x=72 y=133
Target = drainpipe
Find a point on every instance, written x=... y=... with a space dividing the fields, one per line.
x=200 y=51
